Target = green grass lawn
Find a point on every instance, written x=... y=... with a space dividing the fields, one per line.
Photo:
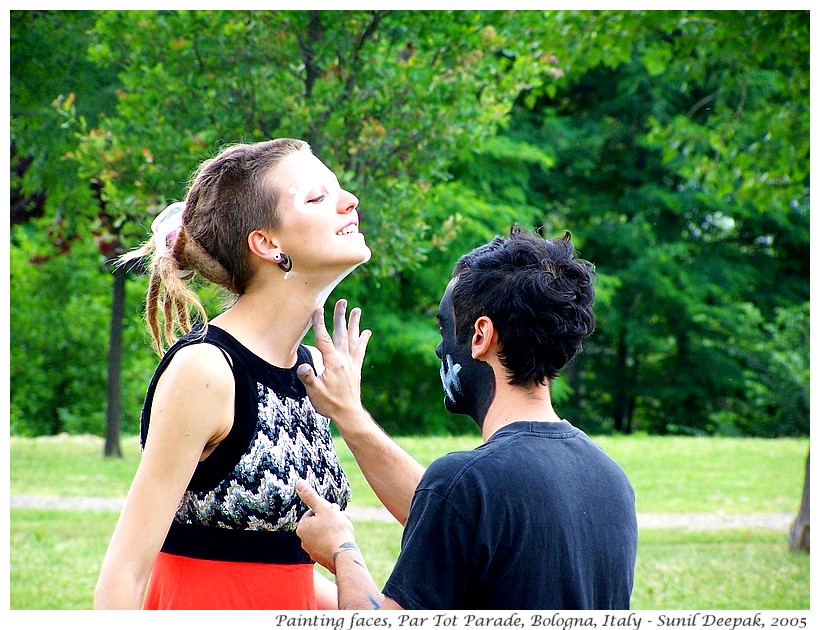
x=670 y=474
x=55 y=554
x=675 y=474
x=720 y=569
x=55 y=558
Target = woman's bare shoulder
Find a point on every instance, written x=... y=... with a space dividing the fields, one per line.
x=200 y=366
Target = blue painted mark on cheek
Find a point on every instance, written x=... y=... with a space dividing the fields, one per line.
x=449 y=378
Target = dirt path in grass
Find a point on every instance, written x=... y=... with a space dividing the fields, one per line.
x=778 y=521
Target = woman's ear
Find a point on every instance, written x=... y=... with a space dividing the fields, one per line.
x=484 y=338
x=262 y=244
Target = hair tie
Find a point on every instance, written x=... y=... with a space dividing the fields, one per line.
x=165 y=228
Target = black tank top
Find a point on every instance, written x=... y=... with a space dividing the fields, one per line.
x=241 y=502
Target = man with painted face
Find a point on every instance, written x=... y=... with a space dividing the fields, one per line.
x=538 y=516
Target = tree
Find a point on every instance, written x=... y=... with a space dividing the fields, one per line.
x=386 y=98
x=47 y=192
x=675 y=152
x=799 y=538
x=681 y=189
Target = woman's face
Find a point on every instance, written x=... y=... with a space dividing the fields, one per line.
x=319 y=223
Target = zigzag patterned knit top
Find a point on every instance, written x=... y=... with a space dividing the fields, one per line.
x=241 y=504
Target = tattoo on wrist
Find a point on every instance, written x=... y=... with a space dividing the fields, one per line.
x=345 y=546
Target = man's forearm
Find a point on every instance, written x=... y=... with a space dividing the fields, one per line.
x=388 y=468
x=355 y=585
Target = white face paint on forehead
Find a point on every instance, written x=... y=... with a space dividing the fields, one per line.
x=311 y=185
x=313 y=199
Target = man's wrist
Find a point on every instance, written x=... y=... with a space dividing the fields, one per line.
x=350 y=545
x=355 y=422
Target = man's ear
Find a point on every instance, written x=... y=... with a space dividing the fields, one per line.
x=262 y=244
x=484 y=338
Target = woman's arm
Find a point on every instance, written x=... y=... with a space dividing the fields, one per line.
x=336 y=392
x=326 y=593
x=191 y=412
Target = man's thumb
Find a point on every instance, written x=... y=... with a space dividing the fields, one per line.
x=305 y=373
x=307 y=494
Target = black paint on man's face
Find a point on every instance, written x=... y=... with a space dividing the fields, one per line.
x=469 y=385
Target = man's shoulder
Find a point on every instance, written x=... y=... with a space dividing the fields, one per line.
x=454 y=460
x=451 y=469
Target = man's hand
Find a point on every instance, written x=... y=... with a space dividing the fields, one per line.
x=338 y=390
x=327 y=536
x=388 y=468
x=325 y=530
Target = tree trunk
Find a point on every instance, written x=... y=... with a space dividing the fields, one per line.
x=624 y=403
x=113 y=408
x=799 y=534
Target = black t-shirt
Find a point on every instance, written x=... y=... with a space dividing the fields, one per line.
x=538 y=518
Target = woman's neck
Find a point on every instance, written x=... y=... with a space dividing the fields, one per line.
x=273 y=322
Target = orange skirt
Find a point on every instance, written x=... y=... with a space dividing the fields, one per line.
x=181 y=583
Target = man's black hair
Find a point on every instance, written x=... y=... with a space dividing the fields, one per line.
x=539 y=296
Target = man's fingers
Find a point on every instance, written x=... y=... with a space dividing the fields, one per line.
x=361 y=347
x=323 y=339
x=358 y=341
x=309 y=495
x=339 y=327
x=306 y=374
x=353 y=323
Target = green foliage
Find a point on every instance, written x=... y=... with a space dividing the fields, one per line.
x=674 y=150
x=44 y=51
x=48 y=72
x=679 y=188
x=58 y=343
x=776 y=379
x=384 y=98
